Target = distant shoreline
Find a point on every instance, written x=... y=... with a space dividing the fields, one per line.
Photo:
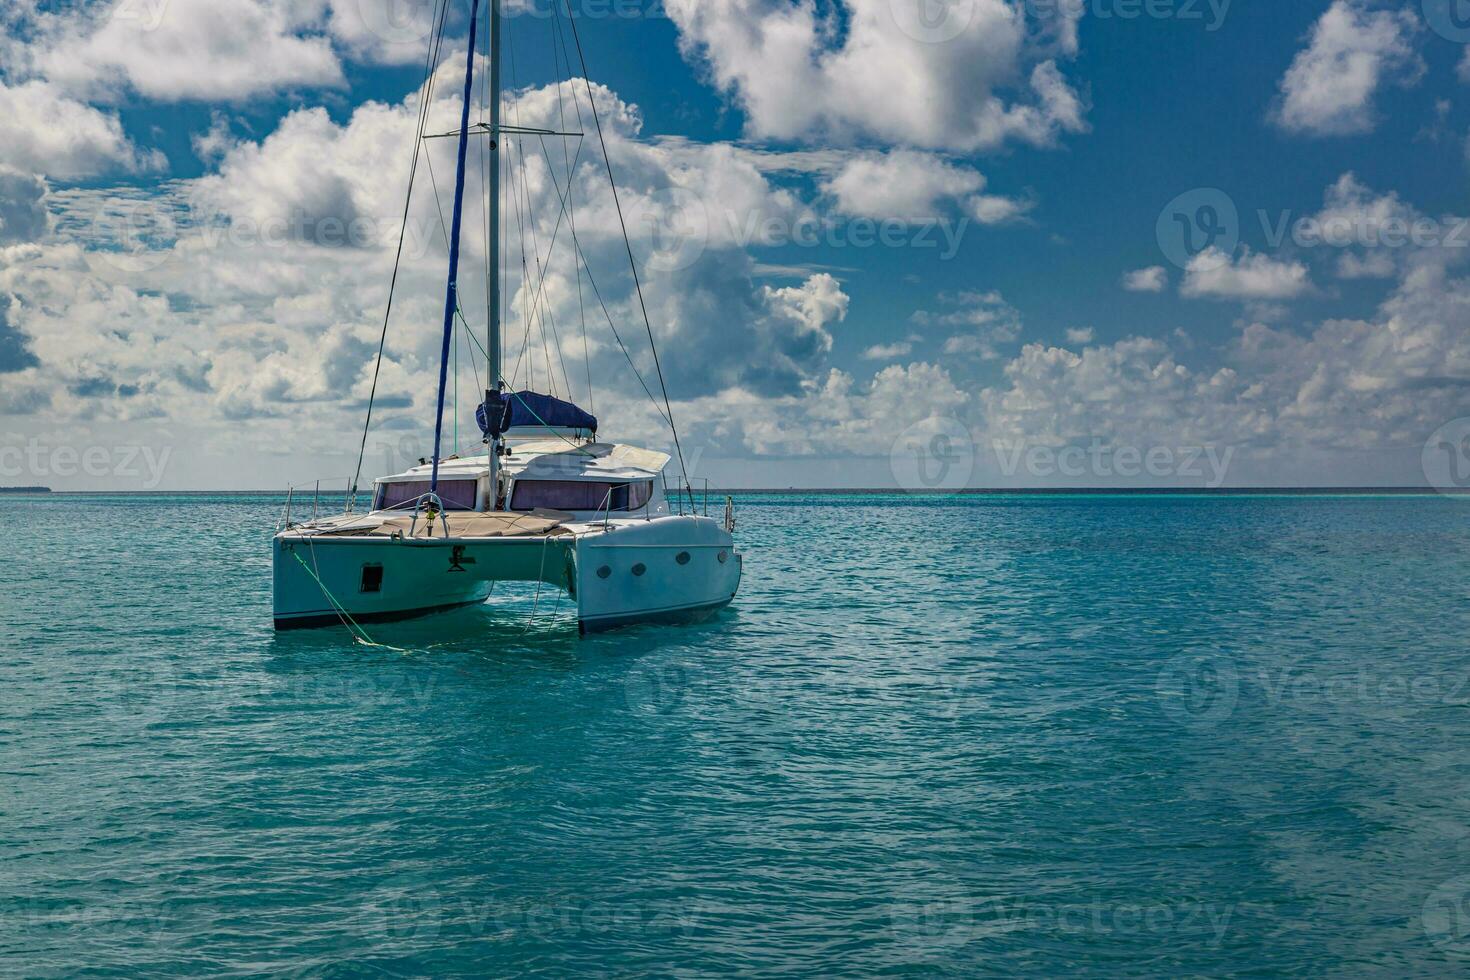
x=870 y=492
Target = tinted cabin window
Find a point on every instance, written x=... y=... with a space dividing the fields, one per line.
x=456 y=494
x=579 y=495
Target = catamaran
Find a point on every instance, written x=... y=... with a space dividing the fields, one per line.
x=547 y=501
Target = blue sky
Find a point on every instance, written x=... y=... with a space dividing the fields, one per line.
x=1030 y=162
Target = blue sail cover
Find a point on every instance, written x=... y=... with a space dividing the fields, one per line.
x=528 y=408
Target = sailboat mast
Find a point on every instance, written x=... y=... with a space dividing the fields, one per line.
x=451 y=298
x=492 y=374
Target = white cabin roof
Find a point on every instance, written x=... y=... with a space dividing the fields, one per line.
x=598 y=461
x=552 y=459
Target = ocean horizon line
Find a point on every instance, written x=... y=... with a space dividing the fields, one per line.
x=864 y=491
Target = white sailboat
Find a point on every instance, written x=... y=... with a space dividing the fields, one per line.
x=547 y=501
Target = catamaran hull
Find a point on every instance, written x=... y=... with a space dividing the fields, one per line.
x=665 y=569
x=676 y=568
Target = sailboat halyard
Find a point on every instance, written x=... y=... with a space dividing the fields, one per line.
x=547 y=503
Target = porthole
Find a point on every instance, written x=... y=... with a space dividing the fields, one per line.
x=682 y=558
x=724 y=556
x=639 y=568
x=372 y=579
x=605 y=571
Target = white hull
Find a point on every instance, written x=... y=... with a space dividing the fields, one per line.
x=618 y=572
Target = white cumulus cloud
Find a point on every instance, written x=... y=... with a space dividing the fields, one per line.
x=980 y=78
x=1215 y=275
x=1330 y=87
x=44 y=131
x=1154 y=279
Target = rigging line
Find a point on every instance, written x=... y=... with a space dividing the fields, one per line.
x=525 y=275
x=555 y=232
x=632 y=263
x=456 y=387
x=508 y=48
x=485 y=189
x=597 y=294
x=571 y=207
x=438 y=204
x=551 y=250
x=426 y=93
x=471 y=334
x=559 y=35
x=619 y=337
x=541 y=272
x=541 y=287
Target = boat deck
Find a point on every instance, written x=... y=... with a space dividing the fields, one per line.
x=460 y=524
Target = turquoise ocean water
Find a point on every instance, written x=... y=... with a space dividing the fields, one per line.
x=989 y=735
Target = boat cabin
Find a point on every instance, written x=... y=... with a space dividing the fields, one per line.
x=590 y=480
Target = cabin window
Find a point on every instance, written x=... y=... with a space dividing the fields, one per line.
x=581 y=495
x=372 y=578
x=456 y=494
